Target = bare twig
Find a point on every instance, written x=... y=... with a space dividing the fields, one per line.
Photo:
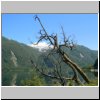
x=46 y=74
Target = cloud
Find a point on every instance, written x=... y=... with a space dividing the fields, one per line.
x=42 y=46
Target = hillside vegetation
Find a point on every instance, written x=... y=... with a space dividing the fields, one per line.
x=18 y=70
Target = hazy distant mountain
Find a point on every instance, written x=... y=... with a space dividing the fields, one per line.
x=16 y=59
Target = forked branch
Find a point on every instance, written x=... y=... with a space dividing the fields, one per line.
x=53 y=40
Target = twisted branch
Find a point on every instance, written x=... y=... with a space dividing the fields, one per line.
x=53 y=40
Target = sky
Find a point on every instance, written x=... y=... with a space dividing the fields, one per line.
x=83 y=28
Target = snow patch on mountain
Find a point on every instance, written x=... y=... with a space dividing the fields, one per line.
x=81 y=55
x=14 y=59
x=42 y=46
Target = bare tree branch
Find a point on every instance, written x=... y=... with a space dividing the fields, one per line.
x=46 y=74
x=46 y=34
x=53 y=40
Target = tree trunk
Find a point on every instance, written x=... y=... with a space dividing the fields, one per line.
x=73 y=64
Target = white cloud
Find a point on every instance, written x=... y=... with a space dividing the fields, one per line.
x=42 y=46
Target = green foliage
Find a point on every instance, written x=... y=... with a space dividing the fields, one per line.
x=35 y=81
x=70 y=83
x=93 y=82
x=96 y=64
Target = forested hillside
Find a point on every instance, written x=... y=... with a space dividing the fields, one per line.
x=18 y=70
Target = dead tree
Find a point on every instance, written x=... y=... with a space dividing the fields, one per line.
x=57 y=48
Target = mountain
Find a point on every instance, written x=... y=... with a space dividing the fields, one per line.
x=82 y=55
x=17 y=68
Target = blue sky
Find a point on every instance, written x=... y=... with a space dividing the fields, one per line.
x=22 y=27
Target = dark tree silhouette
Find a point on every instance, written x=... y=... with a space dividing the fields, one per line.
x=57 y=48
